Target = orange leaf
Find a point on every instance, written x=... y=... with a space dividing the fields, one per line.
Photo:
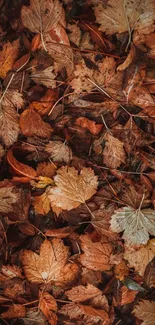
x=48 y=306
x=31 y=124
x=46 y=102
x=89 y=125
x=8 y=56
x=35 y=42
x=59 y=233
x=15 y=311
x=18 y=167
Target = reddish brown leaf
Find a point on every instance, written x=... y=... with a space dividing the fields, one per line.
x=20 y=168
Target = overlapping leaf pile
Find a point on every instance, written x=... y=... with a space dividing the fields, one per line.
x=77 y=200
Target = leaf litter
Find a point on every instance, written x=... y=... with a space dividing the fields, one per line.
x=77 y=112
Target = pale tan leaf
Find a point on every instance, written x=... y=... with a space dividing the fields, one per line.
x=34 y=317
x=59 y=151
x=49 y=265
x=44 y=77
x=113 y=153
x=48 y=306
x=81 y=293
x=8 y=197
x=145 y=311
x=42 y=204
x=136 y=224
x=8 y=56
x=139 y=259
x=72 y=188
x=9 y=125
x=14 y=311
x=42 y=16
x=122 y=16
x=96 y=255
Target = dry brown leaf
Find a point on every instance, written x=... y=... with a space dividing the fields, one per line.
x=96 y=255
x=8 y=196
x=81 y=293
x=126 y=296
x=46 y=169
x=59 y=151
x=72 y=188
x=149 y=275
x=86 y=123
x=15 y=311
x=90 y=277
x=139 y=259
x=46 y=102
x=8 y=56
x=121 y=271
x=12 y=271
x=136 y=224
x=145 y=311
x=9 y=125
x=41 y=16
x=119 y=17
x=129 y=59
x=18 y=167
x=31 y=124
x=48 y=306
x=34 y=317
x=100 y=302
x=44 y=77
x=113 y=153
x=60 y=232
x=49 y=265
x=42 y=203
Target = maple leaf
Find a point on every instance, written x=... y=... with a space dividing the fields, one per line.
x=14 y=311
x=31 y=124
x=41 y=16
x=8 y=197
x=8 y=56
x=9 y=126
x=81 y=293
x=72 y=189
x=49 y=265
x=136 y=224
x=48 y=305
x=124 y=15
x=113 y=153
x=96 y=255
x=145 y=311
x=139 y=259
x=59 y=151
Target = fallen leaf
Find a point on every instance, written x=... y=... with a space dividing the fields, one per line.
x=46 y=169
x=31 y=124
x=60 y=232
x=12 y=271
x=90 y=125
x=8 y=197
x=44 y=77
x=96 y=255
x=136 y=224
x=59 y=151
x=129 y=59
x=46 y=102
x=14 y=289
x=14 y=311
x=81 y=293
x=18 y=167
x=140 y=258
x=42 y=182
x=48 y=306
x=9 y=125
x=126 y=296
x=149 y=275
x=113 y=153
x=34 y=317
x=42 y=203
x=72 y=189
x=145 y=311
x=49 y=265
x=121 y=271
x=8 y=56
x=121 y=17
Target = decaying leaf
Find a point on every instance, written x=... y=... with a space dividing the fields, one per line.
x=72 y=188
x=59 y=151
x=136 y=224
x=44 y=77
x=9 y=125
x=113 y=153
x=140 y=258
x=8 y=56
x=48 y=266
x=145 y=311
x=31 y=124
x=81 y=293
x=96 y=255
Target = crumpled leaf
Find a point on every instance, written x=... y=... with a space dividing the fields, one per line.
x=122 y=16
x=81 y=293
x=113 y=153
x=145 y=311
x=48 y=306
x=136 y=224
x=14 y=311
x=8 y=196
x=50 y=265
x=31 y=124
x=96 y=255
x=139 y=259
x=8 y=56
x=59 y=151
x=72 y=188
x=42 y=16
x=9 y=125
